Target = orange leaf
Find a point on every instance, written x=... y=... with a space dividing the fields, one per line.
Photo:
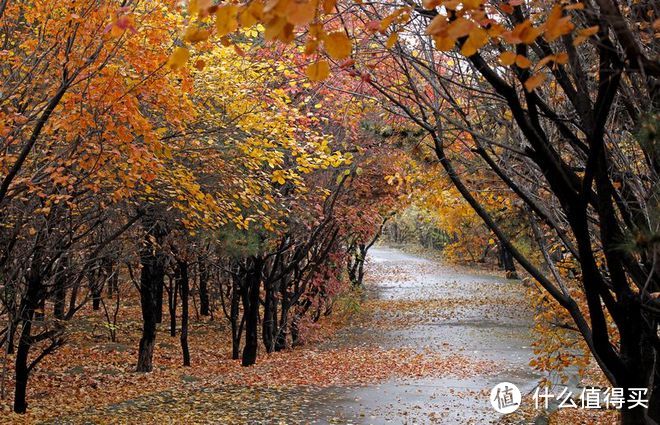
x=460 y=28
x=444 y=44
x=534 y=81
x=318 y=71
x=507 y=58
x=477 y=39
x=226 y=19
x=557 y=24
x=301 y=13
x=437 y=25
x=338 y=45
x=430 y=4
x=194 y=34
x=329 y=6
x=200 y=64
x=523 y=62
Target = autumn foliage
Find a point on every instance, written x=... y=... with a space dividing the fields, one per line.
x=235 y=161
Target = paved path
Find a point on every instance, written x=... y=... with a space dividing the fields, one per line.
x=475 y=315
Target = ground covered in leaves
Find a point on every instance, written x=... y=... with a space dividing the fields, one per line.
x=425 y=345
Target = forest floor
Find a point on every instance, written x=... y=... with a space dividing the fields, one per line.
x=425 y=346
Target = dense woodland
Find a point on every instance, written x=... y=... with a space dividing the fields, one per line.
x=235 y=161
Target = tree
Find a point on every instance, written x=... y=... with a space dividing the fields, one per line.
x=530 y=61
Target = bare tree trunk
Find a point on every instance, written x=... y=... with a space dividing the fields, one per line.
x=184 y=287
x=151 y=279
x=251 y=288
x=22 y=371
x=203 y=289
x=236 y=320
x=172 y=301
x=269 y=324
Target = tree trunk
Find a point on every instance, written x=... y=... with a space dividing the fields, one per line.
x=184 y=287
x=159 y=301
x=22 y=370
x=236 y=320
x=250 y=291
x=269 y=325
x=151 y=279
x=280 y=340
x=94 y=280
x=172 y=301
x=59 y=289
x=113 y=283
x=203 y=289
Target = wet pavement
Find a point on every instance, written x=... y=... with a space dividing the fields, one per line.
x=436 y=307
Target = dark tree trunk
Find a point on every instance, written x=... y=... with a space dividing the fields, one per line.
x=236 y=320
x=251 y=287
x=203 y=289
x=269 y=325
x=40 y=312
x=22 y=370
x=184 y=287
x=360 y=266
x=172 y=301
x=113 y=282
x=94 y=279
x=280 y=340
x=151 y=279
x=159 y=301
x=59 y=289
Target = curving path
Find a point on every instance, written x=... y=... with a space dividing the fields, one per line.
x=445 y=309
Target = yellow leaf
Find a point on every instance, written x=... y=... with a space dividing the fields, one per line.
x=318 y=71
x=226 y=19
x=391 y=40
x=278 y=176
x=178 y=58
x=338 y=45
x=507 y=58
x=534 y=81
